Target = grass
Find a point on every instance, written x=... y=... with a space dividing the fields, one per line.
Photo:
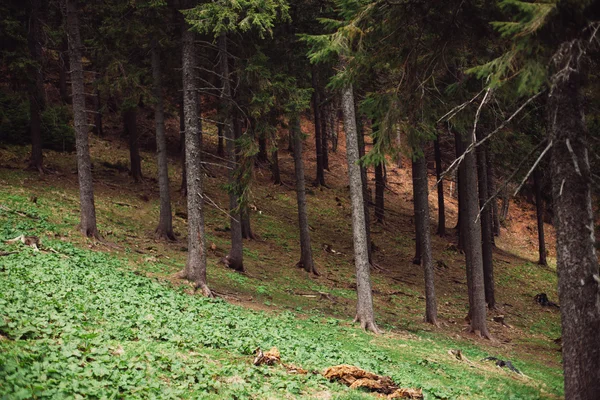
x=273 y=304
x=80 y=324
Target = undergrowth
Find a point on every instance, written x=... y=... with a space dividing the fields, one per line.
x=76 y=323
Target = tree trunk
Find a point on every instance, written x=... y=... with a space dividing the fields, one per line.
x=262 y=155
x=195 y=268
x=399 y=145
x=486 y=226
x=576 y=258
x=472 y=238
x=421 y=198
x=235 y=258
x=363 y=177
x=98 y=130
x=320 y=179
x=505 y=205
x=84 y=163
x=335 y=126
x=130 y=124
x=165 y=223
x=325 y=137
x=246 y=227
x=491 y=191
x=37 y=100
x=63 y=71
x=306 y=258
x=364 y=308
x=275 y=174
x=243 y=206
x=183 y=189
x=461 y=189
x=379 y=193
x=417 y=208
x=220 y=147
x=539 y=208
x=441 y=230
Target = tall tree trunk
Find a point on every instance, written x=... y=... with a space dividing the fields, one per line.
x=165 y=222
x=421 y=198
x=364 y=308
x=242 y=164
x=63 y=71
x=220 y=147
x=182 y=150
x=399 y=145
x=275 y=173
x=539 y=208
x=486 y=226
x=262 y=155
x=37 y=101
x=326 y=132
x=130 y=124
x=335 y=126
x=576 y=258
x=379 y=193
x=235 y=258
x=492 y=190
x=473 y=252
x=320 y=178
x=461 y=189
x=98 y=130
x=363 y=177
x=306 y=258
x=195 y=268
x=84 y=164
x=416 y=209
x=441 y=230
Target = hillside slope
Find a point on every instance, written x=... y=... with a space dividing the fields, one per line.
x=414 y=352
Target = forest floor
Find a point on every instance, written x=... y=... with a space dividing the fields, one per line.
x=309 y=318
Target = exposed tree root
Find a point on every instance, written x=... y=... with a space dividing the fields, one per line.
x=368 y=325
x=162 y=234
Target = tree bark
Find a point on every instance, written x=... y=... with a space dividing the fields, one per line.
x=576 y=258
x=416 y=210
x=183 y=189
x=325 y=136
x=98 y=130
x=421 y=199
x=320 y=178
x=275 y=173
x=486 y=226
x=220 y=147
x=461 y=189
x=164 y=230
x=539 y=208
x=130 y=124
x=363 y=177
x=379 y=193
x=63 y=71
x=262 y=155
x=491 y=191
x=235 y=258
x=441 y=230
x=195 y=269
x=335 y=126
x=472 y=238
x=37 y=101
x=242 y=164
x=84 y=164
x=306 y=258
x=364 y=308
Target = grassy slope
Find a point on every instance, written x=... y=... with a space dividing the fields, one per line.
x=411 y=352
